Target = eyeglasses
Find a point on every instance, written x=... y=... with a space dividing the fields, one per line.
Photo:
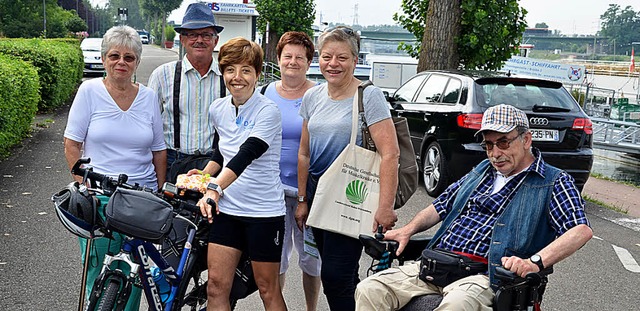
x=206 y=36
x=127 y=58
x=503 y=144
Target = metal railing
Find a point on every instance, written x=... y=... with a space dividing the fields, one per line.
x=270 y=73
x=615 y=135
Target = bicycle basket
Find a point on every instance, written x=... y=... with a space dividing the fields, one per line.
x=138 y=214
x=78 y=211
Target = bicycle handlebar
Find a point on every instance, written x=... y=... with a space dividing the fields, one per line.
x=169 y=193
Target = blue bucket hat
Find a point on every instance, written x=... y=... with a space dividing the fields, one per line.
x=198 y=16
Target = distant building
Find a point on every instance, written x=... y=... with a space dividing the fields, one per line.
x=537 y=32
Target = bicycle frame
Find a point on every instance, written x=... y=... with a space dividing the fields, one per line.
x=144 y=254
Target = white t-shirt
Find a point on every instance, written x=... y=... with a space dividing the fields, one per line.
x=257 y=192
x=117 y=141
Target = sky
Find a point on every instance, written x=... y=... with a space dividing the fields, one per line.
x=568 y=16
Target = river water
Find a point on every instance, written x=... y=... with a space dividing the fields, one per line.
x=617 y=166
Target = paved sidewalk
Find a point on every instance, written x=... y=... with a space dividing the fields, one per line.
x=624 y=197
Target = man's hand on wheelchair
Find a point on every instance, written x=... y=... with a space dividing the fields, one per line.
x=519 y=266
x=400 y=235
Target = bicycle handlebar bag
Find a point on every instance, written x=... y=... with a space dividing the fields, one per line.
x=138 y=214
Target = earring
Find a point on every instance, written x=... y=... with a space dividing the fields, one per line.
x=104 y=74
x=135 y=77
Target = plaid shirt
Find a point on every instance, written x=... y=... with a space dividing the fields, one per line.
x=471 y=231
x=196 y=95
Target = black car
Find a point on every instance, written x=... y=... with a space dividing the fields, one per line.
x=444 y=111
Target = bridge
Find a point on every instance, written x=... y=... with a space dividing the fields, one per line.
x=619 y=136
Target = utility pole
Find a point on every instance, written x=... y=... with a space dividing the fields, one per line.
x=44 y=8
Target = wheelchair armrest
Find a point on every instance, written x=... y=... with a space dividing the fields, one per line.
x=376 y=248
x=414 y=248
x=533 y=278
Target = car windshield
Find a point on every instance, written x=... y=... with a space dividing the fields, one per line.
x=526 y=95
x=92 y=45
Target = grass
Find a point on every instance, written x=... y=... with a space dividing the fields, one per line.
x=44 y=123
x=605 y=205
x=600 y=176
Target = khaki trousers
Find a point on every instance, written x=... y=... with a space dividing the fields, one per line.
x=393 y=288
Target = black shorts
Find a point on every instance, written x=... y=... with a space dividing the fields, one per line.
x=260 y=238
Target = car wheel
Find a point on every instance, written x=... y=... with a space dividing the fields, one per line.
x=434 y=170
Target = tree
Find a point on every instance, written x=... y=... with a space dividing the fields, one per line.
x=163 y=8
x=489 y=32
x=283 y=16
x=76 y=24
x=623 y=26
x=25 y=19
x=542 y=25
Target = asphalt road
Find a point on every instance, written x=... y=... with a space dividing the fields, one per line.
x=40 y=263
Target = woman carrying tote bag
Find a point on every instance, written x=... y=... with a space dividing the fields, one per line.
x=327 y=120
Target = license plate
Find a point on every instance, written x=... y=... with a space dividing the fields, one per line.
x=97 y=67
x=545 y=135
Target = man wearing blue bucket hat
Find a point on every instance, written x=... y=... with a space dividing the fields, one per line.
x=185 y=109
x=511 y=210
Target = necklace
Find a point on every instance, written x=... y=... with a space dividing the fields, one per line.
x=294 y=89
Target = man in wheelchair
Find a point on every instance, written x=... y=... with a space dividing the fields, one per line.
x=512 y=210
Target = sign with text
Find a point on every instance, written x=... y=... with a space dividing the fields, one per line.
x=565 y=73
x=233 y=8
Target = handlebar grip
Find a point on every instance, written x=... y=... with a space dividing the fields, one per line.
x=211 y=202
x=190 y=207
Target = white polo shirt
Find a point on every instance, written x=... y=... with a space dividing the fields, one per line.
x=257 y=192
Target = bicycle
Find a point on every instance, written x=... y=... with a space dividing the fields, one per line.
x=515 y=293
x=112 y=287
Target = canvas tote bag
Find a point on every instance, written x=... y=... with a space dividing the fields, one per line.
x=346 y=198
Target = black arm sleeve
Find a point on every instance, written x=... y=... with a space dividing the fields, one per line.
x=250 y=150
x=216 y=156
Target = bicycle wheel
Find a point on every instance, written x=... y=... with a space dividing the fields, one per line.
x=192 y=290
x=108 y=300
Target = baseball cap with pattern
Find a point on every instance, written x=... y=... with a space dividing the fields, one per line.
x=503 y=119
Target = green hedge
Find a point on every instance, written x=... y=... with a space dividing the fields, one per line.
x=59 y=63
x=18 y=100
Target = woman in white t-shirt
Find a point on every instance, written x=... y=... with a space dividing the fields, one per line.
x=116 y=123
x=249 y=213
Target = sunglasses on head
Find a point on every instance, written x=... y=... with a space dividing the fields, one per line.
x=344 y=29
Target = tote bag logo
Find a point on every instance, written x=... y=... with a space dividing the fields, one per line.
x=357 y=192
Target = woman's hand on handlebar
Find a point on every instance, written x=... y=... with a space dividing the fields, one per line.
x=205 y=208
x=401 y=236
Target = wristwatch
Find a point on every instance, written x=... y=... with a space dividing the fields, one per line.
x=302 y=199
x=216 y=188
x=537 y=260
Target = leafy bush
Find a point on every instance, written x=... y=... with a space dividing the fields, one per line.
x=170 y=33
x=18 y=100
x=59 y=63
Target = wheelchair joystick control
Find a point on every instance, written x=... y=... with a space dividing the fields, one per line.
x=379 y=235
